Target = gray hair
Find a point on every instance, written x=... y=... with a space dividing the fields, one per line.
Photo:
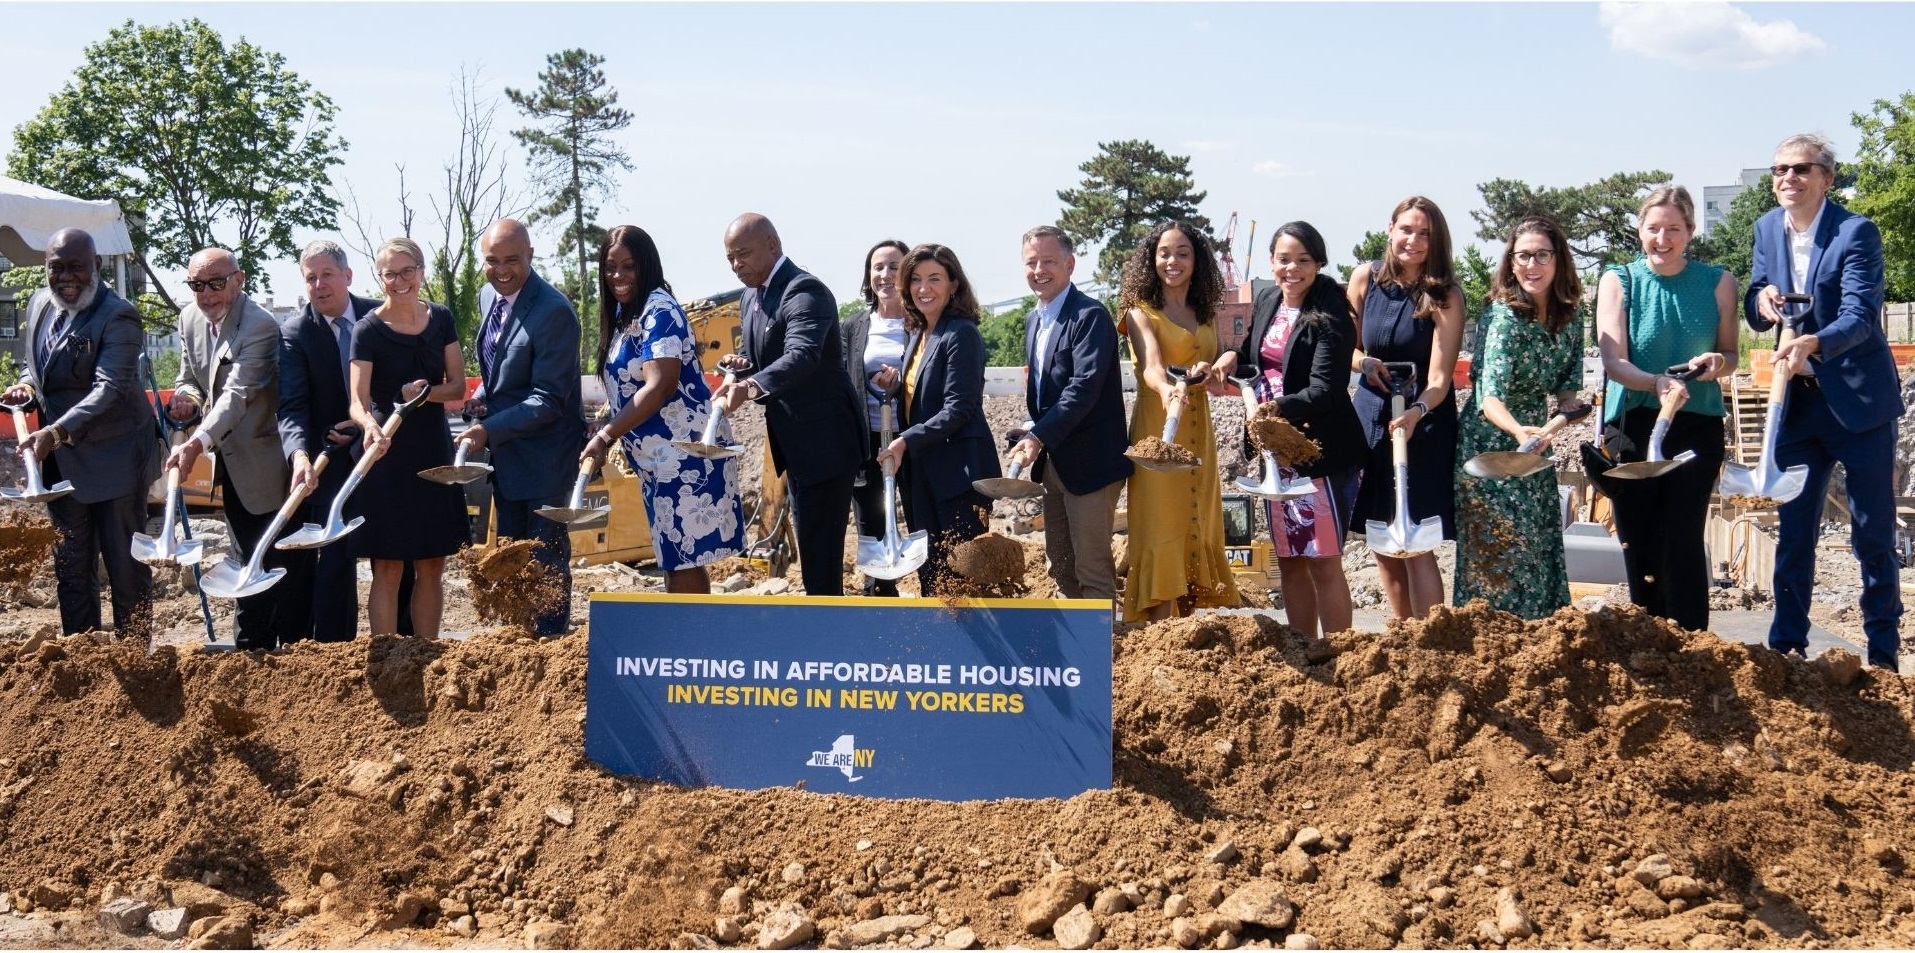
x=326 y=248
x=1054 y=233
x=1824 y=153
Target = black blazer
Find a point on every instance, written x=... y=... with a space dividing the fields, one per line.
x=1081 y=420
x=811 y=412
x=312 y=392
x=948 y=440
x=1316 y=374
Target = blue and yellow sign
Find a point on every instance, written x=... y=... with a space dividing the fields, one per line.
x=988 y=699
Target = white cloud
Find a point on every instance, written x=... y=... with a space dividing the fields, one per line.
x=1705 y=35
x=1208 y=145
x=1276 y=170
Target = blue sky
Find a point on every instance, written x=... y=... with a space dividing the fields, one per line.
x=958 y=123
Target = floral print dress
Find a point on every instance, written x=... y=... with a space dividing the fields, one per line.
x=692 y=503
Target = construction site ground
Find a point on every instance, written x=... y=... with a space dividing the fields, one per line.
x=1594 y=779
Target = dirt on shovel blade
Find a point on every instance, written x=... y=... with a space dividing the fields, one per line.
x=1153 y=448
x=1269 y=431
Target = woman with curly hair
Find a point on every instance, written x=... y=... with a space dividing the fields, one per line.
x=1171 y=289
x=945 y=435
x=658 y=394
x=1409 y=309
x=1509 y=541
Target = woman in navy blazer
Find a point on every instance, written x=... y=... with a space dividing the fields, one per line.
x=945 y=437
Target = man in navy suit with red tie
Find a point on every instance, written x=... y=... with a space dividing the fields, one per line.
x=1074 y=392
x=1844 y=397
x=811 y=410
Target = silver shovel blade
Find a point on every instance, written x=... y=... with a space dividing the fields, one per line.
x=1161 y=466
x=893 y=559
x=53 y=492
x=708 y=451
x=1007 y=488
x=456 y=474
x=1402 y=539
x=1739 y=479
x=229 y=580
x=313 y=535
x=1277 y=489
x=572 y=516
x=1506 y=464
x=1649 y=469
x=186 y=552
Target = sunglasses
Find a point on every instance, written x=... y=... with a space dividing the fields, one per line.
x=212 y=284
x=1799 y=168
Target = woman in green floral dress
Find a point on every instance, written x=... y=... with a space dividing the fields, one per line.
x=1509 y=533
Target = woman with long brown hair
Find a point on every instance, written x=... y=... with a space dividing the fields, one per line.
x=1409 y=309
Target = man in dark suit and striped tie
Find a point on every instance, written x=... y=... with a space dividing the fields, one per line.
x=811 y=409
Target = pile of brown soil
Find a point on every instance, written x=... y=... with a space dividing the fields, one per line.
x=26 y=547
x=1584 y=780
x=508 y=586
x=1153 y=448
x=1269 y=431
x=1751 y=502
x=991 y=562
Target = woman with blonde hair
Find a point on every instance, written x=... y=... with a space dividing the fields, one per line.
x=1657 y=312
x=407 y=345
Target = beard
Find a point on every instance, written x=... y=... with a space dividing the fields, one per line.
x=84 y=301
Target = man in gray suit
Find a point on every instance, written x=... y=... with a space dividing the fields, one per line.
x=83 y=358
x=229 y=382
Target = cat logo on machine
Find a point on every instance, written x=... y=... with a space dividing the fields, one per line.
x=1238 y=556
x=844 y=755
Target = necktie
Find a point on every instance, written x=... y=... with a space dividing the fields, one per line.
x=342 y=330
x=489 y=335
x=54 y=331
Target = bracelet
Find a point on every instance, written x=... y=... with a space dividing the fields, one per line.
x=605 y=434
x=1419 y=405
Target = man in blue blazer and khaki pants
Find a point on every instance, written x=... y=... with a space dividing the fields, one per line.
x=529 y=403
x=1074 y=393
x=1844 y=396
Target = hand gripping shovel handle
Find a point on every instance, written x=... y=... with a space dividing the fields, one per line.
x=1554 y=424
x=585 y=468
x=710 y=436
x=1399 y=439
x=387 y=429
x=286 y=509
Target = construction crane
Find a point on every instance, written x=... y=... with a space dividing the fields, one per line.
x=1227 y=263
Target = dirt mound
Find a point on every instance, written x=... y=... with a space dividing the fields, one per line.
x=1587 y=779
x=26 y=547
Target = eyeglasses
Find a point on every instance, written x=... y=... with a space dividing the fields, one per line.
x=404 y=274
x=1799 y=168
x=210 y=284
x=1539 y=257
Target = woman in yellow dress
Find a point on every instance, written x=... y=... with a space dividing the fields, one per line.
x=1171 y=289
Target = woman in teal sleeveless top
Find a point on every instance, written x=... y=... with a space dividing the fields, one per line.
x=1657 y=312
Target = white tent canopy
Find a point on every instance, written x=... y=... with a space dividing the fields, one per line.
x=30 y=215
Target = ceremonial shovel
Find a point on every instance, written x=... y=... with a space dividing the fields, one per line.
x=35 y=491
x=1766 y=481
x=312 y=535
x=152 y=551
x=1399 y=538
x=578 y=512
x=459 y=471
x=896 y=555
x=1656 y=465
x=1172 y=412
x=707 y=446
x=1273 y=486
x=1010 y=487
x=233 y=580
x=1524 y=460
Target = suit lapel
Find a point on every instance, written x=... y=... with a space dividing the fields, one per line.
x=514 y=317
x=1824 y=233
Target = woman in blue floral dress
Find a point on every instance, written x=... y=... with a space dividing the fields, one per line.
x=658 y=394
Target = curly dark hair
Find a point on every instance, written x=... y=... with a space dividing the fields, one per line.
x=1142 y=285
x=963 y=300
x=1565 y=292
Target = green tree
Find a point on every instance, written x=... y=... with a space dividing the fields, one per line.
x=1371 y=248
x=1004 y=334
x=1128 y=187
x=572 y=152
x=1885 y=186
x=194 y=138
x=1599 y=219
x=1731 y=243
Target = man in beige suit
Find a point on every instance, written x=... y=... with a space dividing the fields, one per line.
x=229 y=381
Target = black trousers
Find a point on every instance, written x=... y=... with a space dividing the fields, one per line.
x=867 y=498
x=328 y=580
x=90 y=533
x=519 y=519
x=1662 y=521
x=263 y=620
x=819 y=514
x=947 y=523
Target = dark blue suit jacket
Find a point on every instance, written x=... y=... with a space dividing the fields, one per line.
x=312 y=392
x=535 y=414
x=1080 y=420
x=949 y=440
x=1854 y=366
x=812 y=415
x=89 y=383
x=1316 y=375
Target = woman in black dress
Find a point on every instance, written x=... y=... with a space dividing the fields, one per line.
x=404 y=346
